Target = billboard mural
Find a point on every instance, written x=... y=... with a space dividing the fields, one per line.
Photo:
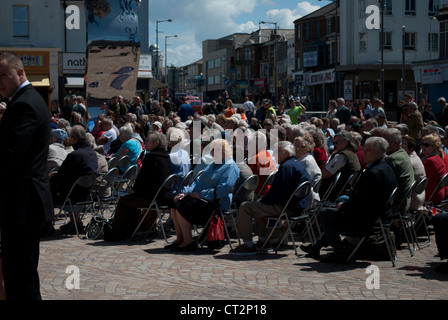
x=113 y=49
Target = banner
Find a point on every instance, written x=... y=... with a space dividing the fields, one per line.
x=113 y=51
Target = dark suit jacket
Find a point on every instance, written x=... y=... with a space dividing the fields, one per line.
x=25 y=195
x=368 y=200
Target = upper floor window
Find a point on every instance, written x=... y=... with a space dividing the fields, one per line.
x=21 y=20
x=432 y=8
x=409 y=8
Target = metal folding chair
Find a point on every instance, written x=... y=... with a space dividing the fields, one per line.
x=86 y=181
x=267 y=182
x=406 y=222
x=324 y=202
x=384 y=228
x=249 y=184
x=301 y=192
x=125 y=182
x=110 y=178
x=169 y=184
x=417 y=218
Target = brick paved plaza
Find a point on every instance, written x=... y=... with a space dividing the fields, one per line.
x=144 y=270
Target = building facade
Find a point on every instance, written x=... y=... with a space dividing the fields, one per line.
x=410 y=36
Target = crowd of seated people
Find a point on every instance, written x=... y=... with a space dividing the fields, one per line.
x=305 y=147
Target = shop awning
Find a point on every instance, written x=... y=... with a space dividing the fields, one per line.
x=39 y=80
x=74 y=82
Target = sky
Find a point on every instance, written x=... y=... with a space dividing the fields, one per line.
x=197 y=20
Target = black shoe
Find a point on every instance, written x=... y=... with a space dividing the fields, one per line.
x=171 y=246
x=312 y=251
x=338 y=256
x=189 y=248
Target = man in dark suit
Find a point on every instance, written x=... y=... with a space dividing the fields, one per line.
x=367 y=202
x=343 y=113
x=25 y=196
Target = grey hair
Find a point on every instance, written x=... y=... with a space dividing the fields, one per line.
x=78 y=133
x=287 y=147
x=91 y=139
x=413 y=105
x=159 y=138
x=395 y=135
x=378 y=143
x=346 y=136
x=127 y=132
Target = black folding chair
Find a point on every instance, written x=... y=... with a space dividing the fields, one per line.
x=169 y=184
x=301 y=192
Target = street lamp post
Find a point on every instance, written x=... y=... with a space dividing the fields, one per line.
x=403 y=65
x=275 y=58
x=157 y=43
x=166 y=55
x=382 y=3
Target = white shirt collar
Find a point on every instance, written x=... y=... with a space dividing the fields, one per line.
x=20 y=87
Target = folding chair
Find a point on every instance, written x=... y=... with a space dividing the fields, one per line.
x=110 y=178
x=417 y=218
x=127 y=179
x=384 y=228
x=267 y=182
x=324 y=202
x=406 y=223
x=301 y=192
x=86 y=181
x=169 y=184
x=249 y=184
x=443 y=182
x=348 y=185
x=112 y=162
x=187 y=180
x=123 y=162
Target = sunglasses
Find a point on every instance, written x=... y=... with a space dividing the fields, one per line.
x=426 y=145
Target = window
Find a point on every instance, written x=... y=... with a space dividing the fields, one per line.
x=387 y=40
x=362 y=42
x=218 y=63
x=306 y=26
x=211 y=81
x=432 y=8
x=298 y=32
x=388 y=7
x=362 y=8
x=218 y=79
x=328 y=26
x=433 y=41
x=409 y=40
x=409 y=8
x=317 y=29
x=20 y=21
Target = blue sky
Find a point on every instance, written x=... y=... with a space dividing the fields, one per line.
x=197 y=20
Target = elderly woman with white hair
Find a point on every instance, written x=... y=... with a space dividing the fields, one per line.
x=129 y=147
x=196 y=203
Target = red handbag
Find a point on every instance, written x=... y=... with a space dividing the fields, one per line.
x=215 y=233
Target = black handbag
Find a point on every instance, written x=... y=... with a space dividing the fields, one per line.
x=97 y=227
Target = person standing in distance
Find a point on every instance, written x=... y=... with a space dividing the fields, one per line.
x=25 y=199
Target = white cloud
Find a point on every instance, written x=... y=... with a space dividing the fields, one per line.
x=199 y=20
x=286 y=17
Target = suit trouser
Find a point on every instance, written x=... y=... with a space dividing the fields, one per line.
x=20 y=257
x=260 y=212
